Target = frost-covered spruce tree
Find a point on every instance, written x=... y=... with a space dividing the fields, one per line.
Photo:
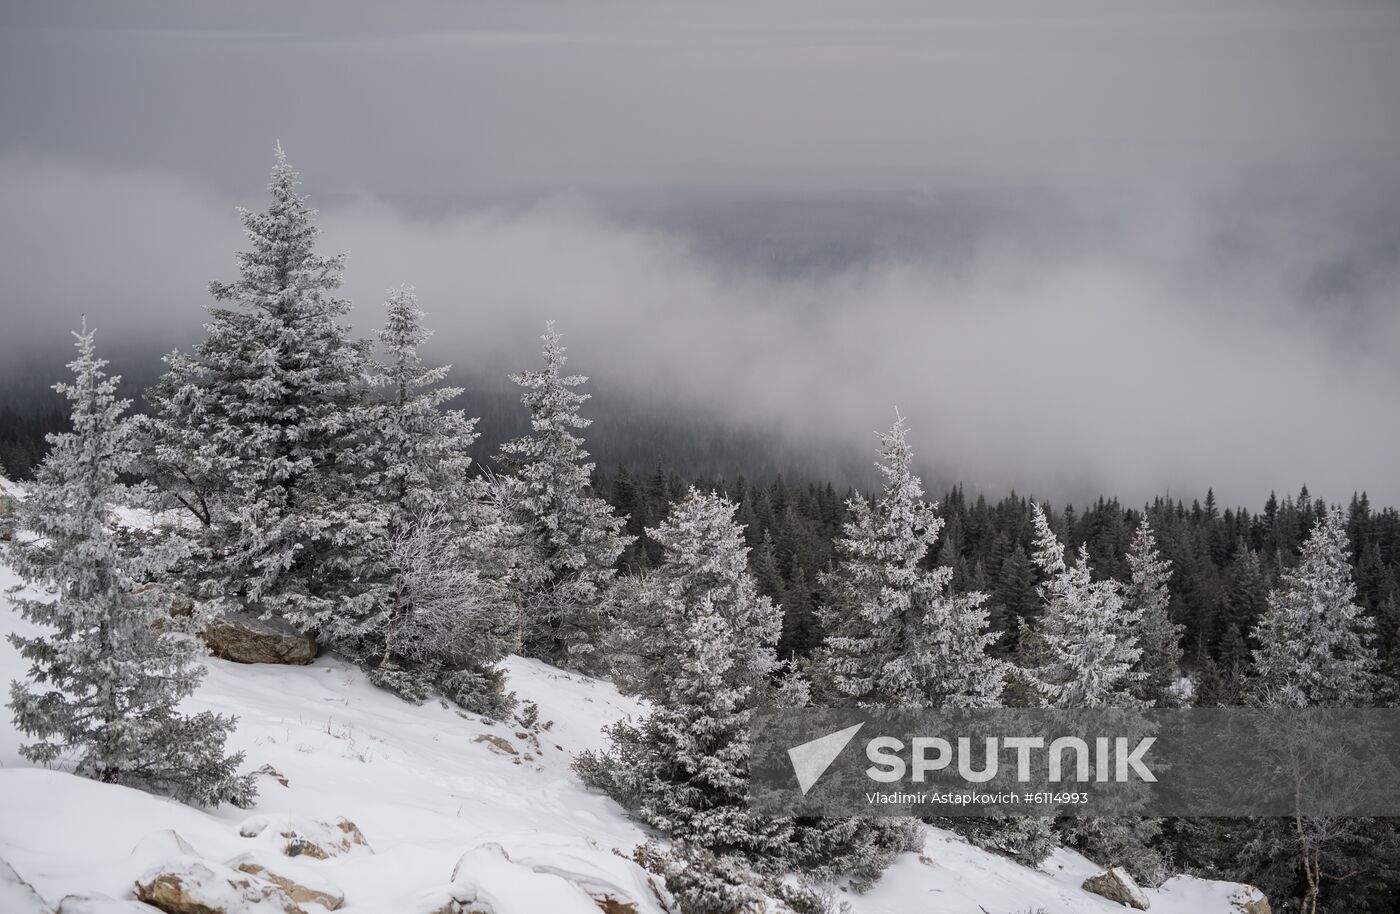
x=259 y=433
x=684 y=768
x=1147 y=598
x=573 y=537
x=1316 y=649
x=703 y=591
x=444 y=605
x=107 y=676
x=1085 y=654
x=896 y=634
x=704 y=557
x=1315 y=643
x=420 y=443
x=446 y=614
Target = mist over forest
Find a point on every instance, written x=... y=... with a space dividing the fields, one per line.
x=1135 y=344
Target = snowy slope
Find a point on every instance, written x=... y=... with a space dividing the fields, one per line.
x=425 y=785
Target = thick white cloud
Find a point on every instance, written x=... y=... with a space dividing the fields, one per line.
x=1165 y=343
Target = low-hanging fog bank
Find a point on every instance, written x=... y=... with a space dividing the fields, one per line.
x=1128 y=343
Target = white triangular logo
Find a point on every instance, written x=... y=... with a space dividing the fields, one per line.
x=810 y=760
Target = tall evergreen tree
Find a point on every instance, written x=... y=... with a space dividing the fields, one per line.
x=106 y=678
x=1316 y=649
x=1315 y=643
x=896 y=634
x=1209 y=689
x=574 y=539
x=1087 y=656
x=259 y=433
x=704 y=557
x=801 y=630
x=1147 y=599
x=445 y=603
x=1246 y=595
x=421 y=445
x=702 y=646
x=1015 y=596
x=684 y=768
x=704 y=554
x=1087 y=652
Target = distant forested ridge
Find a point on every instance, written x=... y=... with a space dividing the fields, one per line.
x=1225 y=560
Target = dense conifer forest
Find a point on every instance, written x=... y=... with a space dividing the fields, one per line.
x=1225 y=559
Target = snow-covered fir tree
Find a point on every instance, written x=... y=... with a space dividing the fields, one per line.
x=259 y=433
x=108 y=673
x=700 y=642
x=704 y=557
x=896 y=634
x=1316 y=650
x=684 y=768
x=445 y=615
x=445 y=602
x=1147 y=599
x=421 y=444
x=1315 y=643
x=573 y=537
x=1085 y=653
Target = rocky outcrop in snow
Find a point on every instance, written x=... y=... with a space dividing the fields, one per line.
x=295 y=836
x=300 y=884
x=243 y=637
x=190 y=885
x=1117 y=885
x=179 y=879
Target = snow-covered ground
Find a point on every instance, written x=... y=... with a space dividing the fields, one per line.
x=425 y=786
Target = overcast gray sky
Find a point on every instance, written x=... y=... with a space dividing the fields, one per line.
x=1119 y=246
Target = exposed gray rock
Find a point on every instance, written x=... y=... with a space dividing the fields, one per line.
x=244 y=638
x=1117 y=885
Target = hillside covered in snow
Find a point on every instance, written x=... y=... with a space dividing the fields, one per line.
x=370 y=804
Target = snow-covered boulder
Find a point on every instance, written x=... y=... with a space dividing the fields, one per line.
x=296 y=836
x=162 y=845
x=243 y=637
x=561 y=873
x=190 y=885
x=18 y=896
x=1117 y=885
x=613 y=882
x=297 y=879
x=487 y=881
